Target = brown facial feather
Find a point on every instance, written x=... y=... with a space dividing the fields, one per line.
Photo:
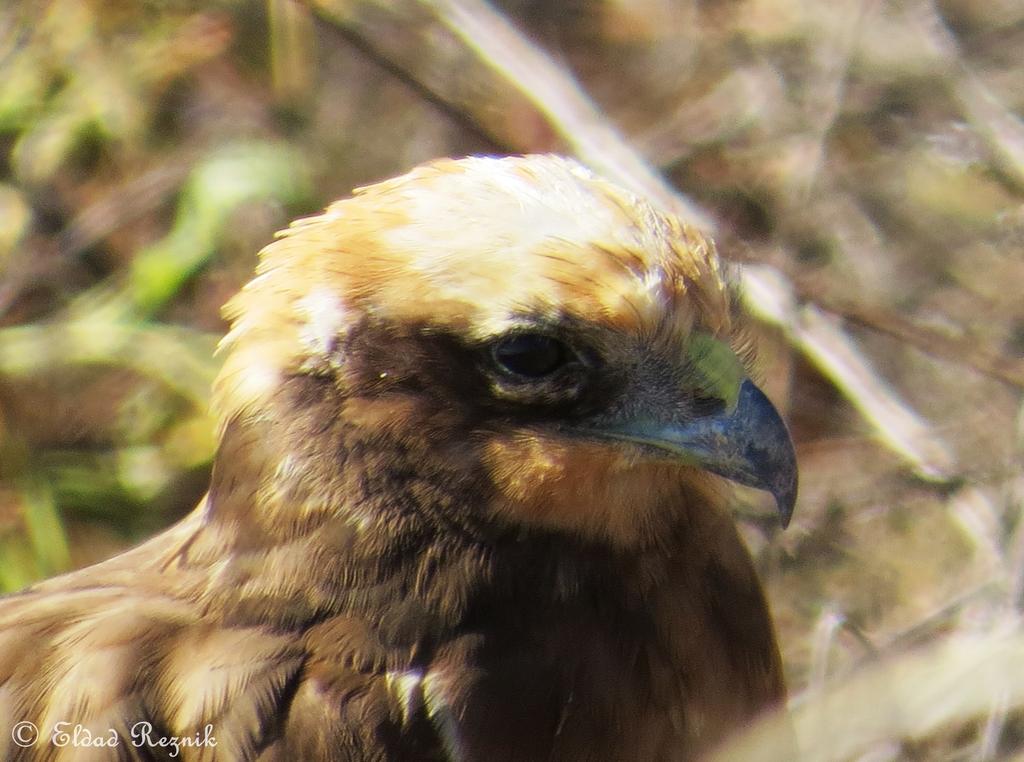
x=408 y=552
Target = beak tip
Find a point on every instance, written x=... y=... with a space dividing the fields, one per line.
x=785 y=500
x=774 y=460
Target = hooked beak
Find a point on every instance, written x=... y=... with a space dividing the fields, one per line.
x=748 y=444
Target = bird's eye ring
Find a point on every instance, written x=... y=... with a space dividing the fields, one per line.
x=530 y=355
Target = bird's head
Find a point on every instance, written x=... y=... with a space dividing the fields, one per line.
x=518 y=323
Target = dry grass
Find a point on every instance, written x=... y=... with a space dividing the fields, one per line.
x=864 y=160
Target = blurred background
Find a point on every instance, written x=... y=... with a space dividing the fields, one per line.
x=862 y=160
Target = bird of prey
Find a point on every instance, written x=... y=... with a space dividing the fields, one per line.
x=469 y=503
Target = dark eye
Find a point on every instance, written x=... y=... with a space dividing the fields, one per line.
x=531 y=355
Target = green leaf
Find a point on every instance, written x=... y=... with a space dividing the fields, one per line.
x=232 y=176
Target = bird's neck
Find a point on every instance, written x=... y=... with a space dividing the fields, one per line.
x=309 y=507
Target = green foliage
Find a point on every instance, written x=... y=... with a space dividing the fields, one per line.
x=224 y=180
x=103 y=396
